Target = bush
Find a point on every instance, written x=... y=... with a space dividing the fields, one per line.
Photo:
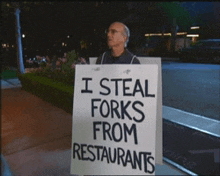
x=8 y=73
x=43 y=64
x=53 y=85
x=57 y=93
x=64 y=74
x=72 y=57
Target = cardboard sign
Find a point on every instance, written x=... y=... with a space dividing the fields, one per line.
x=159 y=122
x=114 y=120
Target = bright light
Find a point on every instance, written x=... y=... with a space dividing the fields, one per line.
x=192 y=35
x=193 y=39
x=68 y=36
x=167 y=34
x=181 y=33
x=194 y=27
x=155 y=34
x=158 y=34
x=63 y=44
x=23 y=35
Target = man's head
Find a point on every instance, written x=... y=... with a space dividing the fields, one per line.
x=118 y=35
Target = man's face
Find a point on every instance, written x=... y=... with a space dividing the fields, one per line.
x=114 y=36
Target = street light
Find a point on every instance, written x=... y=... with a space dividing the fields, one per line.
x=194 y=27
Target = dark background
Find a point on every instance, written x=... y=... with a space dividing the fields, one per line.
x=46 y=25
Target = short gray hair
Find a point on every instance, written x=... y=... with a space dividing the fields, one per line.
x=127 y=33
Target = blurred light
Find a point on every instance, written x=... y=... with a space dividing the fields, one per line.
x=23 y=35
x=63 y=44
x=12 y=46
x=155 y=34
x=158 y=34
x=68 y=36
x=167 y=34
x=193 y=39
x=181 y=33
x=7 y=45
x=194 y=27
x=192 y=35
x=8 y=5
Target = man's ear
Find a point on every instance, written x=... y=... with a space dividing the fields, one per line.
x=125 y=38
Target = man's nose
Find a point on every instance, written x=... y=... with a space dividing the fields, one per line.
x=109 y=34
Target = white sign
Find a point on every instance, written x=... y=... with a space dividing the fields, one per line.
x=114 y=120
x=159 y=122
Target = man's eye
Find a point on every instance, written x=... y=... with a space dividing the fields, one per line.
x=113 y=31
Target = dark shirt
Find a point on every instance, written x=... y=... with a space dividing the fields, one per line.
x=125 y=58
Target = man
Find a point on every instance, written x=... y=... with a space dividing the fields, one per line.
x=117 y=39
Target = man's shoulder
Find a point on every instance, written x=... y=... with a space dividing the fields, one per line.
x=135 y=59
x=103 y=56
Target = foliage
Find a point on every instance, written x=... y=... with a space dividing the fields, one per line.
x=175 y=10
x=71 y=57
x=49 y=82
x=7 y=73
x=43 y=64
x=65 y=74
x=57 y=93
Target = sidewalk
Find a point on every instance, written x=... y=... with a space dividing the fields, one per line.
x=36 y=136
x=10 y=83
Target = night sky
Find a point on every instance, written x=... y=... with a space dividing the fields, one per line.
x=46 y=26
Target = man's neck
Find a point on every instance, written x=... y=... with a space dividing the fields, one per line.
x=117 y=51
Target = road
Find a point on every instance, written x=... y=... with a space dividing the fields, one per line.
x=192 y=87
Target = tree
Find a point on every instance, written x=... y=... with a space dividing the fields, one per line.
x=19 y=43
x=143 y=17
x=17 y=6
